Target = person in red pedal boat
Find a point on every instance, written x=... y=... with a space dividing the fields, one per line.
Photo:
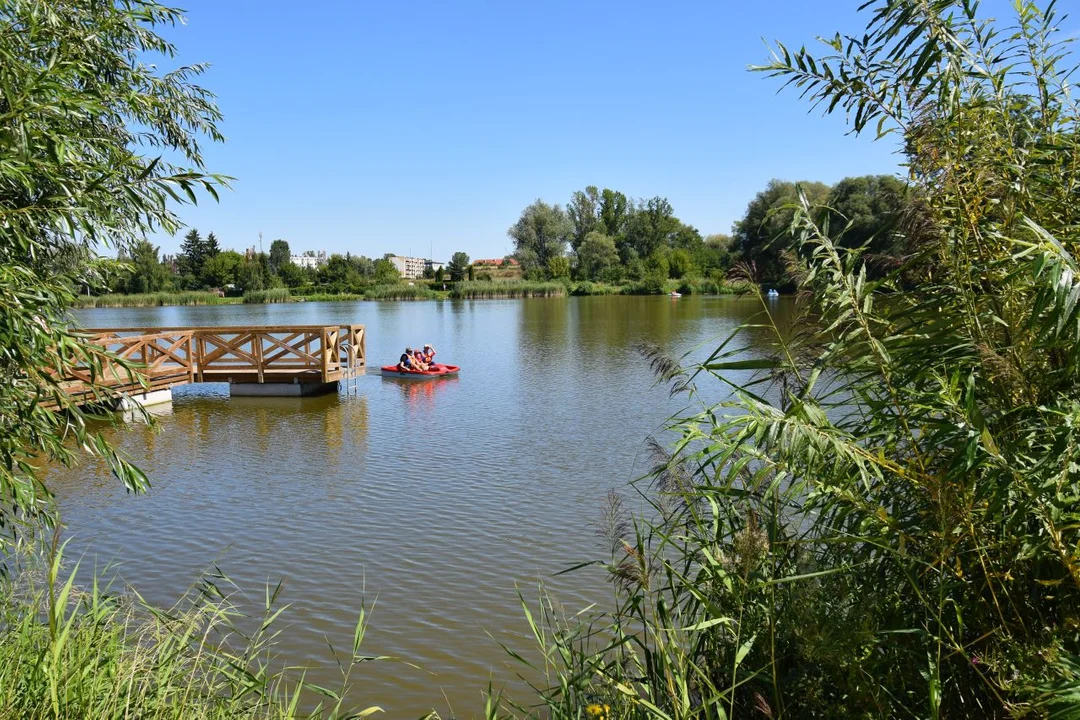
x=407 y=362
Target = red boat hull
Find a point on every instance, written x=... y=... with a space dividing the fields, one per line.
x=437 y=371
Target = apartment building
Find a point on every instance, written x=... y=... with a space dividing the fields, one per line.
x=408 y=267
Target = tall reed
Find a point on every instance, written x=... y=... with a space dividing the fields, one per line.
x=273 y=295
x=157 y=299
x=399 y=292
x=882 y=518
x=68 y=651
x=506 y=289
x=330 y=297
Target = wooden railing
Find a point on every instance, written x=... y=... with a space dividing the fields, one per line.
x=165 y=357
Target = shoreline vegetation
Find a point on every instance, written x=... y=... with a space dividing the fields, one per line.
x=465 y=290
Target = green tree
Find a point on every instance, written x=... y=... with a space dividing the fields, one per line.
x=251 y=274
x=147 y=274
x=439 y=274
x=559 y=267
x=211 y=248
x=539 y=235
x=657 y=264
x=652 y=227
x=220 y=269
x=680 y=264
x=868 y=209
x=82 y=102
x=385 y=272
x=763 y=234
x=192 y=254
x=615 y=212
x=293 y=276
x=340 y=274
x=596 y=255
x=584 y=213
x=363 y=265
x=279 y=255
x=713 y=255
x=458 y=267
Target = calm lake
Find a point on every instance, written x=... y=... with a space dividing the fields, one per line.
x=439 y=499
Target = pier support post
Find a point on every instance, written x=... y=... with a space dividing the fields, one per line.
x=155 y=402
x=281 y=389
x=154 y=397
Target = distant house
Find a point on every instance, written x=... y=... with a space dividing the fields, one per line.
x=496 y=262
x=309 y=259
x=434 y=265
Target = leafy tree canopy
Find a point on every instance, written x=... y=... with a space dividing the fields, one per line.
x=596 y=255
x=540 y=234
x=91 y=132
x=458 y=266
x=764 y=233
x=279 y=254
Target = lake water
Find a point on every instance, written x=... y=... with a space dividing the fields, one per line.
x=441 y=499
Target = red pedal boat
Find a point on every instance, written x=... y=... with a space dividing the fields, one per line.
x=435 y=371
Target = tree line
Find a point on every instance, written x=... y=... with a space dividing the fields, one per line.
x=600 y=235
x=603 y=235
x=201 y=264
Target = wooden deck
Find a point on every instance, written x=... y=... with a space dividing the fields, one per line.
x=166 y=357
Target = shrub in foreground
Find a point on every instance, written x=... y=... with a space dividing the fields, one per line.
x=70 y=652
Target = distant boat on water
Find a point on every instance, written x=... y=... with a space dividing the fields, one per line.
x=675 y=293
x=772 y=293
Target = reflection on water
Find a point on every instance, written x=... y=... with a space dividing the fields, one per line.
x=441 y=497
x=420 y=395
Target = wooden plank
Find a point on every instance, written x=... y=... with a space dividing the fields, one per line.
x=228 y=347
x=325 y=354
x=257 y=346
x=293 y=348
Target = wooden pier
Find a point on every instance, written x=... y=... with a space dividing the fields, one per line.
x=262 y=360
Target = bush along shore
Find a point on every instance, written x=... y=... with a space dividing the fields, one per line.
x=156 y=299
x=470 y=290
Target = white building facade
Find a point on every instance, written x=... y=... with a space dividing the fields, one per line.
x=309 y=261
x=408 y=267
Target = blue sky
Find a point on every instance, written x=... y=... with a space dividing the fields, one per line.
x=374 y=127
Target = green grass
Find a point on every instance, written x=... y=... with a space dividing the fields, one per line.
x=506 y=289
x=89 y=652
x=153 y=300
x=261 y=297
